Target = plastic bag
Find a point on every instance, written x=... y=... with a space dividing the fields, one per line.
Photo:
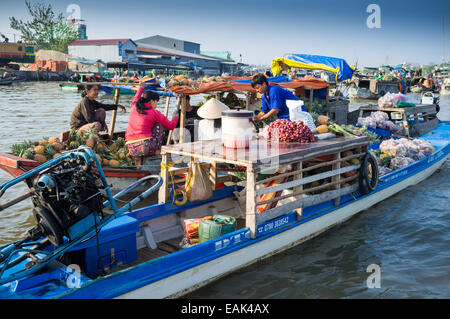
x=296 y=113
x=198 y=187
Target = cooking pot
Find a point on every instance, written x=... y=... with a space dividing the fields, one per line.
x=238 y=128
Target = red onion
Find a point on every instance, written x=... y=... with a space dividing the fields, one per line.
x=289 y=131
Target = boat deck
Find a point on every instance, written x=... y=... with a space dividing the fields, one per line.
x=166 y=247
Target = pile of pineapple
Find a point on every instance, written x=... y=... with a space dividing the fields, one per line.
x=114 y=153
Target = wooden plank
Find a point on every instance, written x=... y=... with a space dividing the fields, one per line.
x=307 y=180
x=307 y=169
x=114 y=113
x=166 y=108
x=299 y=189
x=304 y=202
x=308 y=190
x=213 y=175
x=163 y=195
x=182 y=117
x=171 y=131
x=250 y=210
x=336 y=178
x=311 y=97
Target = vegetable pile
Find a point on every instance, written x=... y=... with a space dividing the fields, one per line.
x=181 y=80
x=290 y=131
x=380 y=119
x=390 y=100
x=354 y=131
x=395 y=154
x=113 y=153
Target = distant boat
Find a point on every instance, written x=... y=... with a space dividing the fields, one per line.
x=7 y=81
x=445 y=89
x=361 y=87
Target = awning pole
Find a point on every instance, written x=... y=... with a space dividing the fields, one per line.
x=114 y=113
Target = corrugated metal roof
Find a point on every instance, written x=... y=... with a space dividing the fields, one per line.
x=162 y=50
x=100 y=41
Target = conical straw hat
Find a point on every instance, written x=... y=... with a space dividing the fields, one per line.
x=212 y=109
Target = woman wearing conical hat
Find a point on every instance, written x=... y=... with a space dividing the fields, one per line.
x=210 y=126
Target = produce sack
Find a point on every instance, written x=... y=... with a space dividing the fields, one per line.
x=198 y=187
x=297 y=114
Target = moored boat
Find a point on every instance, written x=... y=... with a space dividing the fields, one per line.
x=371 y=89
x=6 y=81
x=146 y=240
x=445 y=89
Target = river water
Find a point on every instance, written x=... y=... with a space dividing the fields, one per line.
x=406 y=235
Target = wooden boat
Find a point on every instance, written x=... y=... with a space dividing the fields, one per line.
x=371 y=89
x=118 y=177
x=75 y=86
x=6 y=81
x=140 y=248
x=445 y=89
x=417 y=121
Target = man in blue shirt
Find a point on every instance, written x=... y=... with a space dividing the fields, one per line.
x=273 y=100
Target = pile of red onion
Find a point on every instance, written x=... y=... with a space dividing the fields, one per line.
x=290 y=131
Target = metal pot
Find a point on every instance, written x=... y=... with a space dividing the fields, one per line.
x=238 y=128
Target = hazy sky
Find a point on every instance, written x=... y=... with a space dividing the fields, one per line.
x=260 y=30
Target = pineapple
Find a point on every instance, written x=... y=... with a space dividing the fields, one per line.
x=53 y=140
x=72 y=136
x=44 y=141
x=120 y=142
x=16 y=149
x=49 y=151
x=28 y=154
x=91 y=137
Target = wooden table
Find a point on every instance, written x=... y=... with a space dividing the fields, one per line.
x=265 y=156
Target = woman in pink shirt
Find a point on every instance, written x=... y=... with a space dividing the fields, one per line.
x=146 y=124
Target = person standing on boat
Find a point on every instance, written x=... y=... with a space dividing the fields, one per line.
x=273 y=100
x=146 y=125
x=90 y=113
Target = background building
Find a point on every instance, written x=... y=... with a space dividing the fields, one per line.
x=156 y=52
x=107 y=50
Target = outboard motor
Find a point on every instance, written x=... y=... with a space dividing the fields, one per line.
x=69 y=195
x=64 y=195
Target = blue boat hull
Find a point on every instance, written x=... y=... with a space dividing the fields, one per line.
x=184 y=270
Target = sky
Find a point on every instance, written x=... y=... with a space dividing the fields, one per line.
x=261 y=30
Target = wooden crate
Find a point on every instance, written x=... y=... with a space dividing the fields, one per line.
x=265 y=156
